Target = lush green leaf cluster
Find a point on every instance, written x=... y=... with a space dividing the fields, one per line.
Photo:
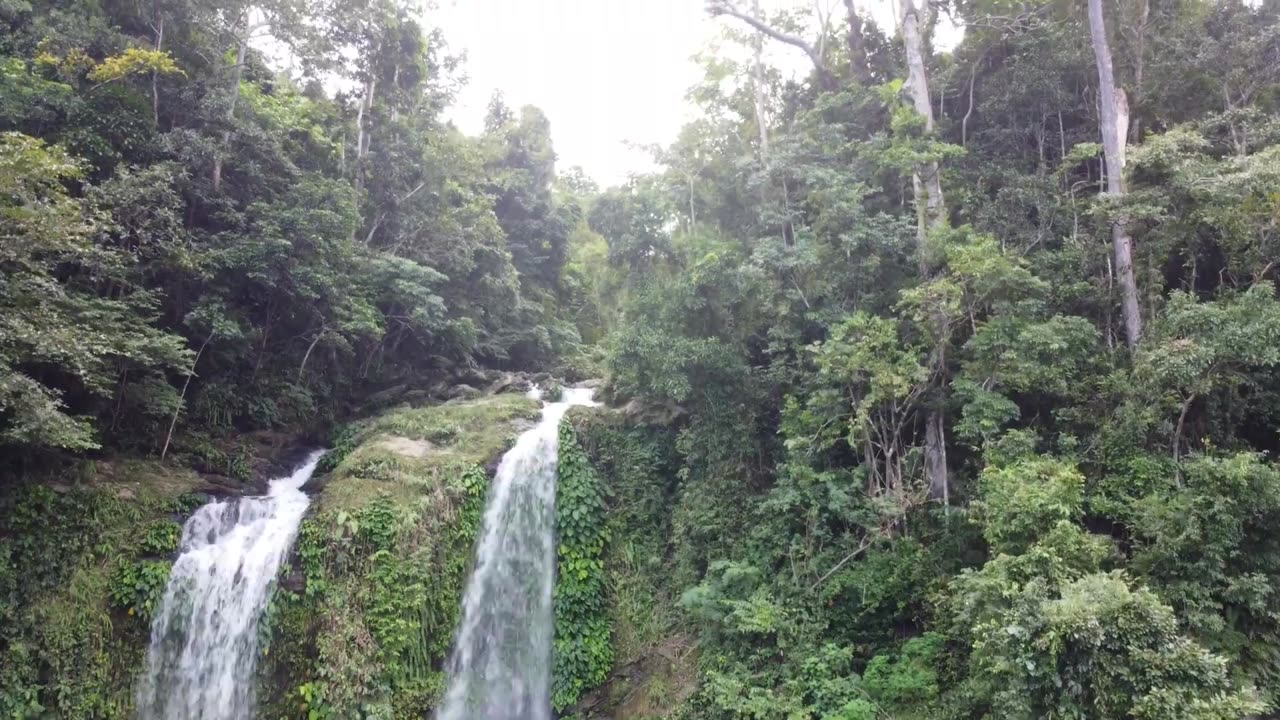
x=368 y=631
x=197 y=242
x=583 y=648
x=81 y=572
x=915 y=470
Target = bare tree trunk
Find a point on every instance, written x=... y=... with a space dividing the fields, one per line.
x=927 y=181
x=395 y=88
x=362 y=136
x=757 y=73
x=182 y=397
x=693 y=218
x=1177 y=431
x=857 y=41
x=816 y=52
x=935 y=457
x=762 y=120
x=964 y=123
x=236 y=74
x=155 y=94
x=366 y=107
x=319 y=334
x=930 y=214
x=1114 y=119
x=1139 y=67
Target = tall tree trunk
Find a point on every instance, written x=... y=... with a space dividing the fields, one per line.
x=362 y=145
x=1139 y=68
x=762 y=119
x=155 y=93
x=242 y=47
x=319 y=334
x=362 y=136
x=926 y=181
x=1114 y=120
x=693 y=217
x=930 y=214
x=757 y=74
x=182 y=397
x=857 y=40
x=935 y=457
x=816 y=52
x=395 y=89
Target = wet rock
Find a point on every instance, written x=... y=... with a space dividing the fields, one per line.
x=473 y=377
x=651 y=413
x=382 y=398
x=465 y=392
x=295 y=581
x=416 y=397
x=278 y=455
x=509 y=382
x=219 y=487
x=589 y=384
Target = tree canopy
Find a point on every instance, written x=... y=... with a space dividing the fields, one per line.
x=951 y=376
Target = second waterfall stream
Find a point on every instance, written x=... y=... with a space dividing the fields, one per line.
x=500 y=668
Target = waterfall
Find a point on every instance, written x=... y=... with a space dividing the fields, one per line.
x=500 y=668
x=204 y=639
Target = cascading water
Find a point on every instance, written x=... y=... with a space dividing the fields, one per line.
x=500 y=668
x=204 y=639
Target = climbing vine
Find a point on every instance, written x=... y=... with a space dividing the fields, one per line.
x=82 y=570
x=368 y=631
x=583 y=653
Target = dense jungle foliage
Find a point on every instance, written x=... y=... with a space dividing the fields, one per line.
x=194 y=241
x=950 y=376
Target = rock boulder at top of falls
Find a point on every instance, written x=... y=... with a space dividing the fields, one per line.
x=652 y=413
x=509 y=382
x=461 y=391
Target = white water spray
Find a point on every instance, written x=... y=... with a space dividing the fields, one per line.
x=500 y=668
x=204 y=639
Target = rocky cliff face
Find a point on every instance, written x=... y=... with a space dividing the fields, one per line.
x=366 y=614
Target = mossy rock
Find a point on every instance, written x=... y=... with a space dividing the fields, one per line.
x=382 y=560
x=406 y=452
x=82 y=563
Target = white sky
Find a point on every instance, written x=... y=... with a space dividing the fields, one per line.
x=604 y=71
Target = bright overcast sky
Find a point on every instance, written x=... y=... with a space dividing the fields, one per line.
x=604 y=71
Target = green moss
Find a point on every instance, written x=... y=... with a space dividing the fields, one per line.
x=384 y=556
x=382 y=561
x=369 y=631
x=636 y=469
x=81 y=565
x=407 y=452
